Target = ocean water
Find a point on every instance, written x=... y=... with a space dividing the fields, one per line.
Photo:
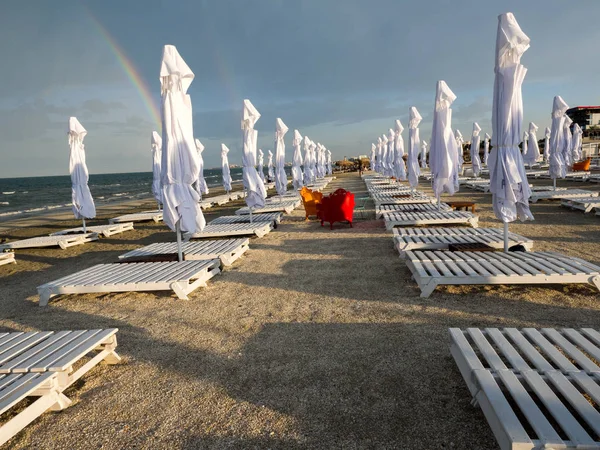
x=30 y=195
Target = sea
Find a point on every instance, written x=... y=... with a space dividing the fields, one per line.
x=39 y=194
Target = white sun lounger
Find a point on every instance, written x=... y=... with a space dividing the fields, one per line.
x=7 y=258
x=546 y=188
x=258 y=229
x=51 y=241
x=406 y=239
x=274 y=217
x=402 y=219
x=15 y=388
x=104 y=230
x=286 y=206
x=540 y=376
x=402 y=199
x=41 y=364
x=145 y=216
x=559 y=195
x=222 y=199
x=594 y=178
x=180 y=277
x=537 y=173
x=227 y=250
x=478 y=185
x=205 y=204
x=435 y=268
x=577 y=176
x=417 y=207
x=584 y=204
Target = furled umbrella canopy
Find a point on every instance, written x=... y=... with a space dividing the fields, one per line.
x=423 y=154
x=256 y=192
x=270 y=169
x=399 y=165
x=547 y=134
x=373 y=150
x=83 y=203
x=329 y=168
x=156 y=143
x=577 y=139
x=391 y=153
x=524 y=149
x=567 y=143
x=261 y=163
x=201 y=185
x=533 y=148
x=280 y=176
x=414 y=143
x=180 y=160
x=307 y=170
x=297 y=161
x=380 y=166
x=475 y=140
x=384 y=152
x=225 y=168
x=443 y=155
x=508 y=181
x=557 y=163
x=459 y=147
x=313 y=161
x=486 y=148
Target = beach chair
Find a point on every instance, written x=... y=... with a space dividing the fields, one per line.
x=311 y=201
x=536 y=388
x=205 y=204
x=44 y=365
x=546 y=188
x=406 y=239
x=258 y=229
x=227 y=250
x=435 y=268
x=577 y=176
x=7 y=258
x=479 y=185
x=274 y=217
x=537 y=173
x=180 y=277
x=63 y=242
x=402 y=219
x=285 y=206
x=222 y=199
x=583 y=204
x=559 y=195
x=104 y=230
x=145 y=216
x=417 y=207
x=405 y=198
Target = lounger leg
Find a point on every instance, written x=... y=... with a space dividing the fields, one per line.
x=596 y=281
x=179 y=291
x=45 y=295
x=62 y=402
x=427 y=289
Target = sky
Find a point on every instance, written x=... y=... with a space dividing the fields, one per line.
x=339 y=71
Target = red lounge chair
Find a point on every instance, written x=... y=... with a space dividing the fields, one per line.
x=337 y=207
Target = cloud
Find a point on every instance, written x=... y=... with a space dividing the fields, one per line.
x=96 y=106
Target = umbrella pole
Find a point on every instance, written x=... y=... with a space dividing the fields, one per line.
x=250 y=215
x=84 y=227
x=438 y=203
x=178 y=233
x=554 y=183
x=505 y=237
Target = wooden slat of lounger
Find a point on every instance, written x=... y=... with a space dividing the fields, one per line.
x=21 y=386
x=156 y=216
x=584 y=342
x=234 y=229
x=197 y=250
x=589 y=414
x=75 y=351
x=528 y=350
x=592 y=335
x=549 y=350
x=488 y=352
x=49 y=241
x=263 y=217
x=21 y=343
x=567 y=347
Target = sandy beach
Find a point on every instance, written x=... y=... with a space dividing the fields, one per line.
x=313 y=339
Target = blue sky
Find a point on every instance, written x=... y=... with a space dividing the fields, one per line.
x=340 y=71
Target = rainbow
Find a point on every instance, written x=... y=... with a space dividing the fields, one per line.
x=130 y=70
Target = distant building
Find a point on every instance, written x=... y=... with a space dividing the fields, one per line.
x=587 y=117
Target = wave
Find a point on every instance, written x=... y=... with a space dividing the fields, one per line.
x=9 y=192
x=25 y=192
x=4 y=203
x=120 y=194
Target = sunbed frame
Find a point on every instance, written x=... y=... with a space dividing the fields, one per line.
x=7 y=258
x=415 y=207
x=402 y=219
x=146 y=216
x=584 y=204
x=258 y=229
x=50 y=241
x=559 y=195
x=104 y=230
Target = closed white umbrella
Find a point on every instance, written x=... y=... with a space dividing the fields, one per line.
x=280 y=176
x=256 y=192
x=577 y=137
x=508 y=181
x=459 y=146
x=201 y=185
x=399 y=165
x=156 y=160
x=568 y=143
x=547 y=134
x=475 y=140
x=524 y=149
x=83 y=203
x=261 y=163
x=318 y=157
x=414 y=143
x=384 y=152
x=329 y=168
x=270 y=168
x=297 y=161
x=373 y=149
x=225 y=168
x=380 y=165
x=423 y=155
x=557 y=163
x=443 y=154
x=180 y=161
x=307 y=169
x=486 y=148
x=391 y=153
x=533 y=148
x=313 y=162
